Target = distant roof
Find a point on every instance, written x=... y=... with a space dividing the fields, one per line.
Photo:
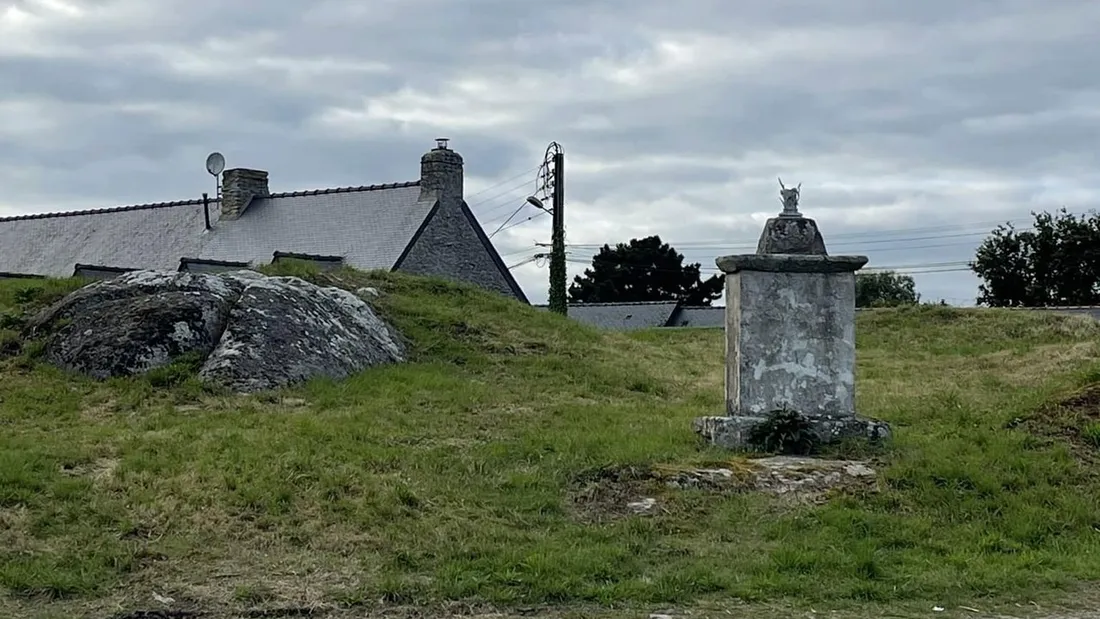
x=156 y=236
x=699 y=316
x=623 y=316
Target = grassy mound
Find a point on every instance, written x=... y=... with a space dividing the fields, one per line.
x=450 y=478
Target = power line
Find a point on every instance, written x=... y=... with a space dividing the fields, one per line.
x=523 y=221
x=927 y=267
x=507 y=194
x=722 y=243
x=852 y=246
x=953 y=263
x=514 y=213
x=752 y=244
x=507 y=180
x=516 y=252
x=527 y=260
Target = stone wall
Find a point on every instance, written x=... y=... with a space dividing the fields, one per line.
x=450 y=247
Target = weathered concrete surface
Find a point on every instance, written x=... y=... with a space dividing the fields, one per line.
x=251 y=332
x=791 y=342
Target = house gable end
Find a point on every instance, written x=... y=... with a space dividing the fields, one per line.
x=491 y=249
x=397 y=265
x=451 y=244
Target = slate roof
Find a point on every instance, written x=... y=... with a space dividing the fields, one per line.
x=623 y=316
x=698 y=316
x=329 y=223
x=149 y=235
x=157 y=236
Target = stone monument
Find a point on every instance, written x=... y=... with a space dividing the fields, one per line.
x=790 y=334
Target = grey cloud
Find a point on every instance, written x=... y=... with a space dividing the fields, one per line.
x=896 y=115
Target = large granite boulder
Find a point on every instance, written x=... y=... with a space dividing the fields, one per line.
x=252 y=332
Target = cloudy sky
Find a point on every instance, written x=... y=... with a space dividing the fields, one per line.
x=914 y=127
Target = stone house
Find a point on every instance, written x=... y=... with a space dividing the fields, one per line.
x=421 y=227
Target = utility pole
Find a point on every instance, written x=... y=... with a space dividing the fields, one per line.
x=557 y=238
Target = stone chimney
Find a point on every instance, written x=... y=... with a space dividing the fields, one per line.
x=441 y=173
x=239 y=187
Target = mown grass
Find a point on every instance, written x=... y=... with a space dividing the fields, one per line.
x=448 y=478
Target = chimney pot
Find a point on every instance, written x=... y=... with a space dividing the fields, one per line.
x=441 y=174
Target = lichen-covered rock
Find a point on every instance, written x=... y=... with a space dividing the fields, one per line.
x=253 y=332
x=135 y=323
x=284 y=330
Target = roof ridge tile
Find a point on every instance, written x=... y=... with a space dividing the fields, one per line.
x=199 y=201
x=349 y=189
x=111 y=209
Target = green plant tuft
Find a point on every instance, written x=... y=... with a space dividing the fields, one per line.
x=1091 y=434
x=785 y=432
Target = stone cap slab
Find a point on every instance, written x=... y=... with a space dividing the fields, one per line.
x=790 y=263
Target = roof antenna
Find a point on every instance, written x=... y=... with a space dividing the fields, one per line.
x=215 y=163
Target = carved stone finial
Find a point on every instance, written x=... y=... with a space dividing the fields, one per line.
x=790 y=200
x=790 y=232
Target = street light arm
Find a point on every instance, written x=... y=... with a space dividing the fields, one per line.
x=535 y=202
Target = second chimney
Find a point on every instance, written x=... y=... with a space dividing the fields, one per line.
x=441 y=173
x=239 y=187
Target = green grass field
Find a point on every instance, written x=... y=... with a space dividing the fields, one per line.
x=449 y=479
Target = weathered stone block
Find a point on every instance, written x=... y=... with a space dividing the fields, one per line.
x=732 y=432
x=791 y=342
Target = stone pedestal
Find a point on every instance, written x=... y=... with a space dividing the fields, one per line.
x=790 y=338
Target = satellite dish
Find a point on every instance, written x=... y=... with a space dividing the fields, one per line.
x=215 y=163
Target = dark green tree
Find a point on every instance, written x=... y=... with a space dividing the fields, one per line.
x=643 y=270
x=1055 y=262
x=885 y=289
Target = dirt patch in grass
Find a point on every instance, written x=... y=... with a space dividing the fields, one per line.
x=98 y=470
x=617 y=492
x=1074 y=420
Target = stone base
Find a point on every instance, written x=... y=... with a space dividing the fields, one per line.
x=733 y=432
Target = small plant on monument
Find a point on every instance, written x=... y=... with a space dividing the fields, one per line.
x=785 y=432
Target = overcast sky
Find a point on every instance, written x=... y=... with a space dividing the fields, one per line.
x=914 y=127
